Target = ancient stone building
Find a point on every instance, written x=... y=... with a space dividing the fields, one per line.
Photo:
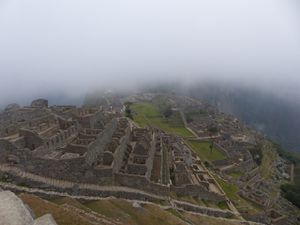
x=39 y=103
x=89 y=146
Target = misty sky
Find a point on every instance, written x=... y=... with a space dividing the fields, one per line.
x=73 y=46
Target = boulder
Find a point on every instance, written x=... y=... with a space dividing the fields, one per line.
x=45 y=220
x=14 y=212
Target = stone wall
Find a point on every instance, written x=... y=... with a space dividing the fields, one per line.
x=70 y=170
x=242 y=167
x=138 y=169
x=86 y=194
x=98 y=146
x=32 y=140
x=8 y=130
x=203 y=210
x=222 y=162
x=6 y=145
x=73 y=148
x=47 y=119
x=19 y=142
x=94 y=121
x=120 y=151
x=39 y=103
x=149 y=163
x=198 y=191
x=220 y=148
x=6 y=148
x=74 y=170
x=61 y=138
x=140 y=182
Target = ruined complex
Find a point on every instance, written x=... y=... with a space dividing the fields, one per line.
x=92 y=152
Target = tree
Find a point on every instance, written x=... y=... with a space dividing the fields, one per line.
x=211 y=146
x=189 y=119
x=128 y=112
x=168 y=112
x=212 y=130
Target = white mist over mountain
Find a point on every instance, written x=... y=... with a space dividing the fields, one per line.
x=72 y=47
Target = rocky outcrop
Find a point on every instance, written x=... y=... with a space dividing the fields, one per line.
x=45 y=220
x=14 y=212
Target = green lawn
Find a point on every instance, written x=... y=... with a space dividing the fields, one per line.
x=230 y=189
x=231 y=192
x=202 y=149
x=236 y=174
x=269 y=156
x=223 y=205
x=148 y=114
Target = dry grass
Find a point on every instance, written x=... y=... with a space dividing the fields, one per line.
x=118 y=210
x=206 y=220
x=269 y=156
x=41 y=207
x=124 y=211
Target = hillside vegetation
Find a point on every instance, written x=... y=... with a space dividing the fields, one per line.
x=202 y=149
x=158 y=115
x=67 y=211
x=292 y=191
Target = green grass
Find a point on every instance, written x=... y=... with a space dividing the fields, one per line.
x=269 y=156
x=223 y=205
x=236 y=174
x=297 y=174
x=206 y=203
x=117 y=211
x=231 y=192
x=176 y=213
x=195 y=115
x=230 y=189
x=148 y=114
x=202 y=149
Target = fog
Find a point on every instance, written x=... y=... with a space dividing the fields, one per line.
x=72 y=47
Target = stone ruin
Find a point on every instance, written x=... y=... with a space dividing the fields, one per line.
x=39 y=103
x=52 y=147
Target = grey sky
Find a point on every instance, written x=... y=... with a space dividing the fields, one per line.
x=74 y=46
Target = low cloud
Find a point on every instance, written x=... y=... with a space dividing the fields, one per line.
x=73 y=47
